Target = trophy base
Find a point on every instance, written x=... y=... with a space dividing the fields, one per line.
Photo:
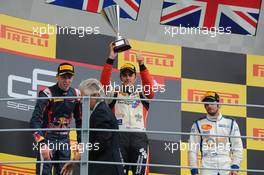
x=121 y=45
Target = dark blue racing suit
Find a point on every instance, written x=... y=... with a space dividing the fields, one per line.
x=55 y=113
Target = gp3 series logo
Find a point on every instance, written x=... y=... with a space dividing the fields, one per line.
x=16 y=87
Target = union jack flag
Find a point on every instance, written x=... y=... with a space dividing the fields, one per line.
x=128 y=8
x=240 y=16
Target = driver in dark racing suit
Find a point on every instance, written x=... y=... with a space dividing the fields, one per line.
x=56 y=113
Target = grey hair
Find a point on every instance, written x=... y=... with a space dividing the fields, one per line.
x=92 y=86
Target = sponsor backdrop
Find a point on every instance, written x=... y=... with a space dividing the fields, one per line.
x=82 y=49
x=27 y=36
x=28 y=64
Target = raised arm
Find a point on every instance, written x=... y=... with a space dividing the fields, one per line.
x=147 y=80
x=107 y=69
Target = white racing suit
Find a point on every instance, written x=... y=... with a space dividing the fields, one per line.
x=131 y=113
x=216 y=152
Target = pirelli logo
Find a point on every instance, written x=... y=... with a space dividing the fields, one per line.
x=23 y=36
x=258 y=132
x=258 y=70
x=151 y=58
x=197 y=96
x=15 y=170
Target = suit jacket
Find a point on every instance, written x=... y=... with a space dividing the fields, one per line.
x=108 y=142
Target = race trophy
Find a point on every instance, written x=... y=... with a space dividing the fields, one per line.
x=111 y=15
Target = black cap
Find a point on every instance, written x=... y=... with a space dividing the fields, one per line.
x=65 y=68
x=211 y=96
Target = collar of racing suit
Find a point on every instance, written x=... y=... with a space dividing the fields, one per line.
x=128 y=89
x=214 y=118
x=60 y=91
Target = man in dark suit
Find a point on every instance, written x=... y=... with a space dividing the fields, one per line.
x=107 y=142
